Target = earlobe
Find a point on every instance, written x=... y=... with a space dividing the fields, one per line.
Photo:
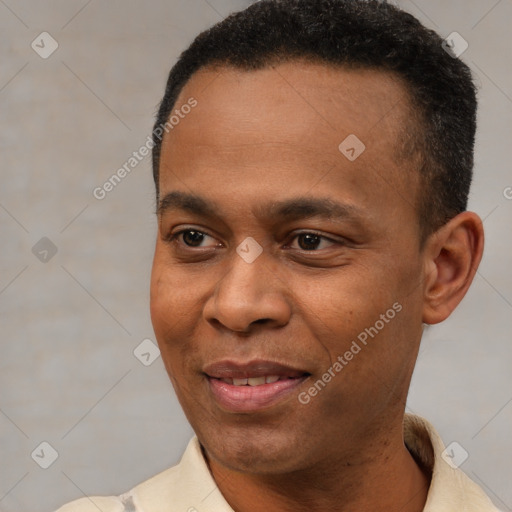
x=452 y=255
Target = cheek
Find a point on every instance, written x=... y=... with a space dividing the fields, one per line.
x=175 y=305
x=160 y=300
x=170 y=314
x=170 y=294
x=367 y=319
x=343 y=305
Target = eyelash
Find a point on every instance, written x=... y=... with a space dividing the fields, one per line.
x=172 y=238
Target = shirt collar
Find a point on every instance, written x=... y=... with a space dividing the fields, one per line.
x=190 y=487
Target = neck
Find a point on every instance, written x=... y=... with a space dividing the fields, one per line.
x=389 y=481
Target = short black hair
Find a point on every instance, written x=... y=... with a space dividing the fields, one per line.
x=371 y=34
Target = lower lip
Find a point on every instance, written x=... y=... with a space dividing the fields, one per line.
x=252 y=398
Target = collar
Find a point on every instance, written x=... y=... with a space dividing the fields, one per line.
x=190 y=487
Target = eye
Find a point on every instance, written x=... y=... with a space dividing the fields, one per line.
x=311 y=241
x=191 y=238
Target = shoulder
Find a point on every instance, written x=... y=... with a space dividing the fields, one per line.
x=149 y=491
x=450 y=487
x=93 y=504
x=153 y=490
x=175 y=489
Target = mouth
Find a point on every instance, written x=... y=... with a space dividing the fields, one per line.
x=252 y=386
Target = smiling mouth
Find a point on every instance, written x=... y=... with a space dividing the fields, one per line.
x=252 y=386
x=256 y=381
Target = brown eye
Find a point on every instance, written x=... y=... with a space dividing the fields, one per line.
x=192 y=238
x=312 y=241
x=308 y=241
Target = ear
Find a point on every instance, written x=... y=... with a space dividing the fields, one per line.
x=452 y=255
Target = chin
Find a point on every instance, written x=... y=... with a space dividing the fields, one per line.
x=262 y=452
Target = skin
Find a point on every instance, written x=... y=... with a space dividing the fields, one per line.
x=270 y=135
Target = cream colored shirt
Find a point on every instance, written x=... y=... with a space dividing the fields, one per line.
x=189 y=486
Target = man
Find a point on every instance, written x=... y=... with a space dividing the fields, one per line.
x=312 y=162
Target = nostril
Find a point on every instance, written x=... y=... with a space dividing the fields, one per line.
x=262 y=321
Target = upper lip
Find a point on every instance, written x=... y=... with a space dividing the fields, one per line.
x=229 y=369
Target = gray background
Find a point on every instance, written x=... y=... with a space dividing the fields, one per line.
x=69 y=326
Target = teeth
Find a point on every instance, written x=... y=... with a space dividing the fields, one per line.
x=256 y=381
x=253 y=381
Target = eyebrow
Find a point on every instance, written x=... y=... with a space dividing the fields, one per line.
x=295 y=208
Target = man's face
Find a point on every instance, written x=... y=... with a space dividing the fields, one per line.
x=262 y=148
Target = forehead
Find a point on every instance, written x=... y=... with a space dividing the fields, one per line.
x=287 y=122
x=338 y=99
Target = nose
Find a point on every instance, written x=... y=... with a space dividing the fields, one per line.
x=248 y=295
